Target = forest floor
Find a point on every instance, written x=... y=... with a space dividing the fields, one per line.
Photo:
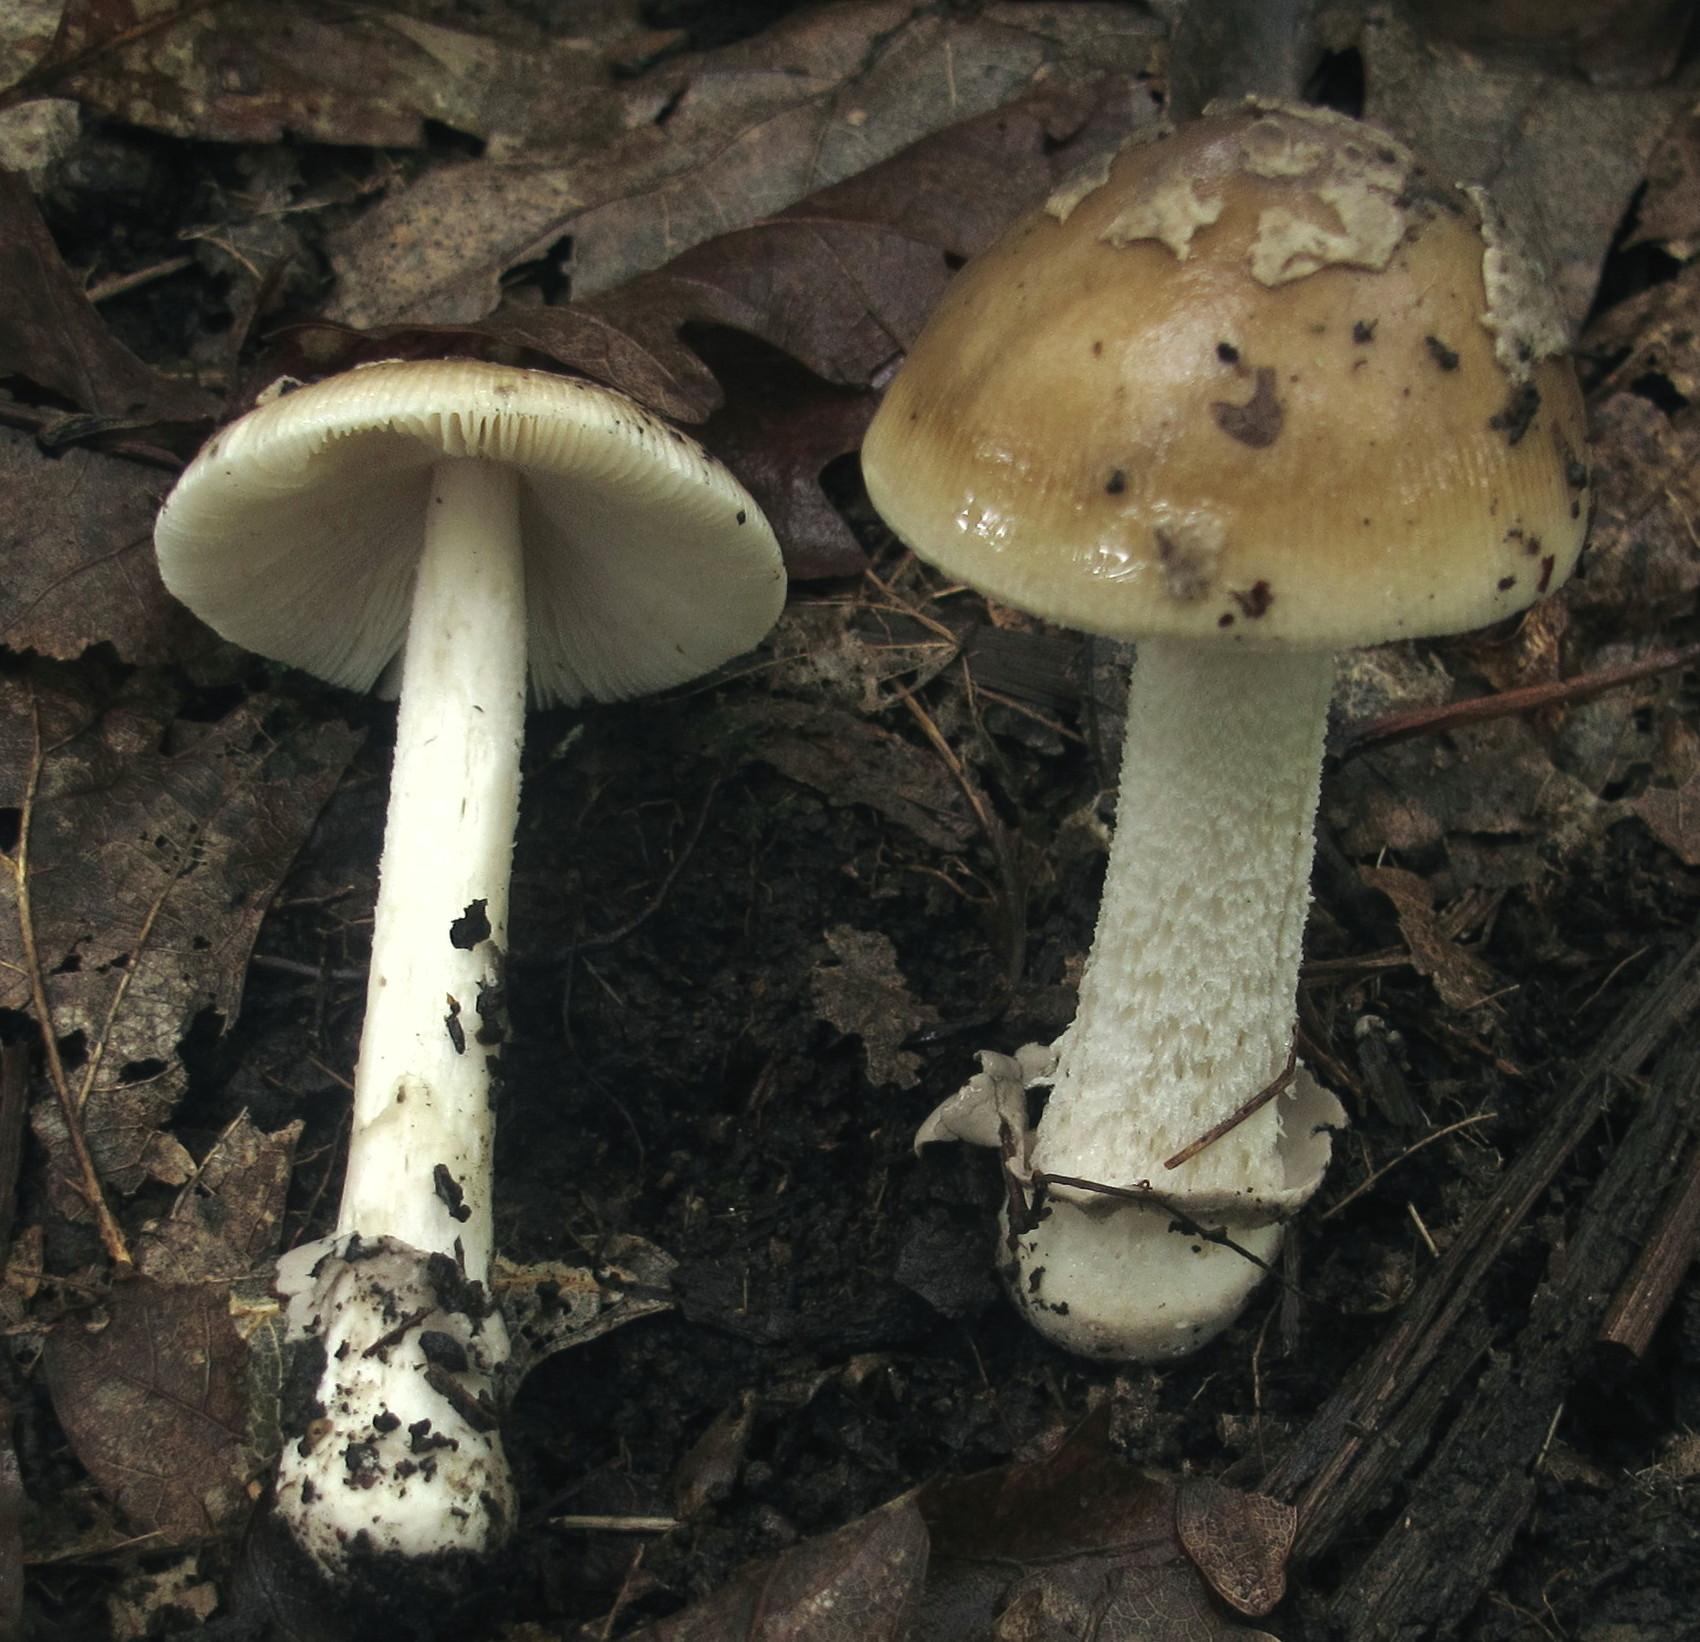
x=763 y=924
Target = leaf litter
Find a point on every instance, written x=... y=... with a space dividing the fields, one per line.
x=747 y=236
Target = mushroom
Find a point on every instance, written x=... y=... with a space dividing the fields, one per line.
x=481 y=524
x=1252 y=392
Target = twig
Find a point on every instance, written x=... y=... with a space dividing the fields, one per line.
x=1238 y=1116
x=1341 y=1461
x=1641 y=1303
x=1452 y=715
x=1393 y=1163
x=612 y=937
x=105 y=435
x=1143 y=1193
x=70 y=1107
x=117 y=284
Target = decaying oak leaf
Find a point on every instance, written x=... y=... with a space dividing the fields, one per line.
x=51 y=334
x=863 y=993
x=849 y=760
x=1672 y=815
x=1489 y=793
x=76 y=537
x=840 y=282
x=1668 y=213
x=1614 y=42
x=27 y=28
x=1463 y=980
x=1240 y=1542
x=250 y=71
x=189 y=1358
x=552 y=1305
x=779 y=428
x=856 y=1584
x=843 y=281
x=1643 y=561
x=1083 y=1545
x=715 y=143
x=153 y=850
x=227 y=1220
x=1561 y=157
x=152 y=1400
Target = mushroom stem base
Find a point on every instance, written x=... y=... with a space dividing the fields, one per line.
x=400 y=1455
x=1114 y=1281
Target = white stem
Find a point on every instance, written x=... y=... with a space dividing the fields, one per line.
x=1186 y=1012
x=1188 y=998
x=422 y=1089
x=402 y=1454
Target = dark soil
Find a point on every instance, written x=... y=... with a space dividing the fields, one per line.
x=838 y=1336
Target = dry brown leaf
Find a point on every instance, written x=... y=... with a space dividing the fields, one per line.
x=1562 y=157
x=850 y=761
x=1642 y=566
x=1083 y=1545
x=227 y=1222
x=1486 y=792
x=709 y=1471
x=1085 y=1604
x=27 y=30
x=51 y=334
x=152 y=1400
x=1668 y=212
x=715 y=143
x=1672 y=815
x=1462 y=979
x=76 y=537
x=864 y=994
x=856 y=1584
x=154 y=852
x=778 y=437
x=252 y=71
x=841 y=282
x=551 y=1305
x=1618 y=42
x=1240 y=1542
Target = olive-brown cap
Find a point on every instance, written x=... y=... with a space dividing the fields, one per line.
x=1254 y=379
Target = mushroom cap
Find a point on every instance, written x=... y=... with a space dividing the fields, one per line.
x=1252 y=380
x=296 y=530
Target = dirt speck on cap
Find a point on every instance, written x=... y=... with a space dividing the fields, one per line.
x=1257 y=422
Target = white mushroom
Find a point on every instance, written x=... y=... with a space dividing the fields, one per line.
x=485 y=525
x=1253 y=393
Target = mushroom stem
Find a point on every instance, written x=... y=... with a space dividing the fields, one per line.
x=1189 y=993
x=1186 y=1012
x=419 y=1157
x=405 y=1457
